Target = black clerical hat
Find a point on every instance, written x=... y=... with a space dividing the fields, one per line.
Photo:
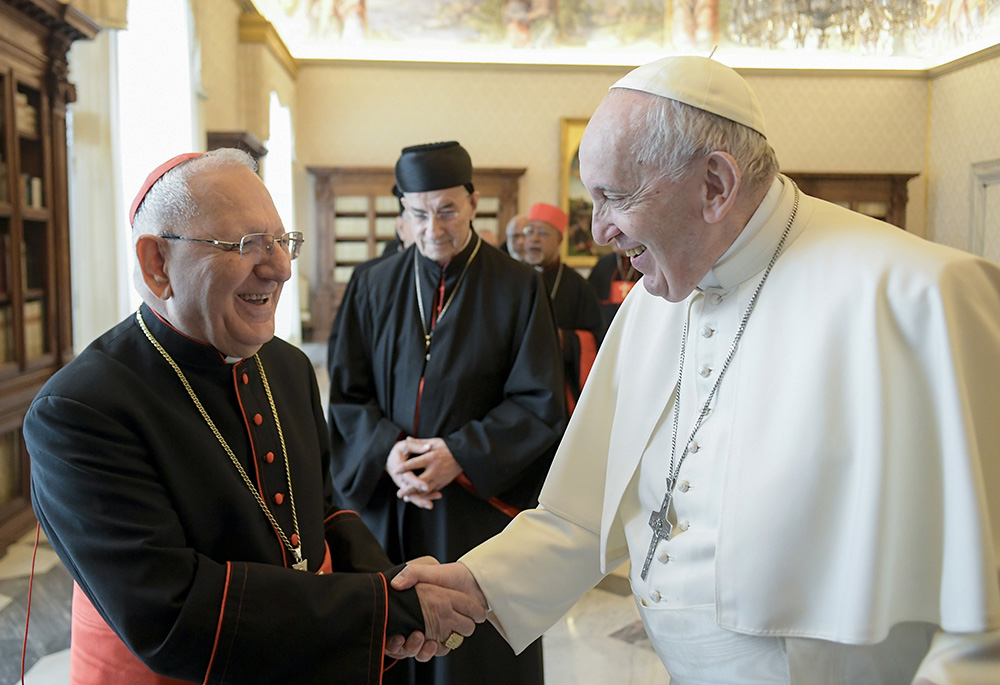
x=434 y=166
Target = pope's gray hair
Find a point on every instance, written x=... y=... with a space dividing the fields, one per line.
x=672 y=135
x=170 y=205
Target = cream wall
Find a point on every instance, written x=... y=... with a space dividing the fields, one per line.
x=216 y=24
x=236 y=77
x=849 y=123
x=362 y=114
x=965 y=129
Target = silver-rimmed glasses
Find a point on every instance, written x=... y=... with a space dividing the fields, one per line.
x=255 y=246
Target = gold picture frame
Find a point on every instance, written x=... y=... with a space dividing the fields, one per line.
x=578 y=248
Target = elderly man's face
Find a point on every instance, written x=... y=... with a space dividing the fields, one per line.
x=440 y=220
x=653 y=220
x=541 y=243
x=216 y=296
x=515 y=238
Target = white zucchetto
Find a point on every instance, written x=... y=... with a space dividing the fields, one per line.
x=700 y=82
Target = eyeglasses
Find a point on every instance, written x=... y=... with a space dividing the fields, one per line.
x=535 y=230
x=255 y=246
x=445 y=216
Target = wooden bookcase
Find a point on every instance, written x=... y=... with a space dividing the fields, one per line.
x=882 y=196
x=356 y=215
x=34 y=226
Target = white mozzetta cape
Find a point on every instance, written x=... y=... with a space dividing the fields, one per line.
x=865 y=442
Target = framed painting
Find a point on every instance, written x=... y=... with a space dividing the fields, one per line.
x=579 y=249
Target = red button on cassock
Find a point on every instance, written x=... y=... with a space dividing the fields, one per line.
x=269 y=457
x=278 y=498
x=258 y=419
x=294 y=540
x=246 y=379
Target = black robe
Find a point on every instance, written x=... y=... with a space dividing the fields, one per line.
x=580 y=321
x=155 y=524
x=612 y=271
x=493 y=391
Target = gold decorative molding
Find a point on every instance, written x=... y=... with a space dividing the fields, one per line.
x=109 y=14
x=256 y=29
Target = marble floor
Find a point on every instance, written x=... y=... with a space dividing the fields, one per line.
x=600 y=641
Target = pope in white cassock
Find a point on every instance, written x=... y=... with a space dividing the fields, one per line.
x=792 y=430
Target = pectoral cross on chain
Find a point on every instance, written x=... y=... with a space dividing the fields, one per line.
x=301 y=564
x=661 y=527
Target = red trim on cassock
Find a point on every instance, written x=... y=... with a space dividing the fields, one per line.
x=588 y=353
x=218 y=629
x=385 y=624
x=338 y=513
x=494 y=502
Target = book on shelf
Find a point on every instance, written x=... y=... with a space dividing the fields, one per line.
x=5 y=334
x=34 y=328
x=35 y=199
x=25 y=115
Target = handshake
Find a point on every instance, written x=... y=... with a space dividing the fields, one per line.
x=451 y=601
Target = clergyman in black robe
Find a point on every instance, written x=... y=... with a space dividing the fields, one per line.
x=574 y=303
x=446 y=374
x=612 y=277
x=180 y=466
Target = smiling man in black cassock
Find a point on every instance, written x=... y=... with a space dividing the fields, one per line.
x=187 y=489
x=446 y=394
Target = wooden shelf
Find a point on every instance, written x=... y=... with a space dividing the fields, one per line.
x=39 y=214
x=882 y=196
x=373 y=187
x=37 y=333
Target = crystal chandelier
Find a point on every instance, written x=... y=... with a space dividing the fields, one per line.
x=871 y=26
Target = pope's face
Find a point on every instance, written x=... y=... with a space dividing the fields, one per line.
x=440 y=221
x=215 y=295
x=541 y=243
x=653 y=220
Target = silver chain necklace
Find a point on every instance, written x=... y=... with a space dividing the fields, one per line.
x=658 y=520
x=420 y=297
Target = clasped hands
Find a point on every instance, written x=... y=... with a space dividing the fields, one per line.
x=435 y=462
x=451 y=601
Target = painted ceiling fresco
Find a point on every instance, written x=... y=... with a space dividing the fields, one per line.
x=908 y=34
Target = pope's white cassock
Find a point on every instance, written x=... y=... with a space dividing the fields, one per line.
x=832 y=513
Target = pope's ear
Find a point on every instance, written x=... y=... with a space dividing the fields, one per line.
x=722 y=183
x=150 y=254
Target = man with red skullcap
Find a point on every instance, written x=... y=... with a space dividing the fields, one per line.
x=574 y=303
x=179 y=467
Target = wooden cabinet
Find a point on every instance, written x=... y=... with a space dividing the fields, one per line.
x=242 y=140
x=356 y=215
x=34 y=226
x=882 y=196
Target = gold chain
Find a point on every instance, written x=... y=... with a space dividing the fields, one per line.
x=295 y=550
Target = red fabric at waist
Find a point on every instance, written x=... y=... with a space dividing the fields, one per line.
x=99 y=657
